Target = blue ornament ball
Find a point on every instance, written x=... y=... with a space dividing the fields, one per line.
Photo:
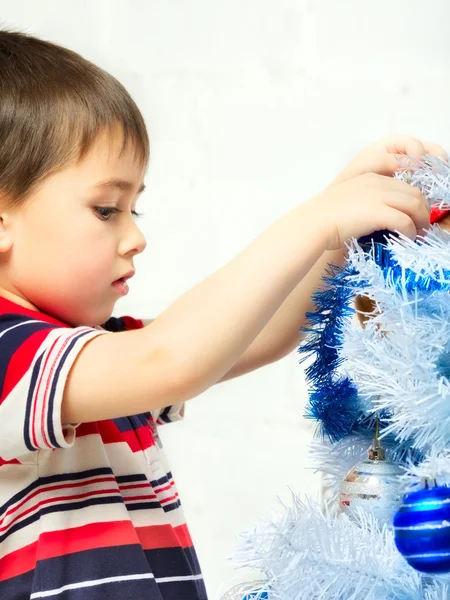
x=422 y=529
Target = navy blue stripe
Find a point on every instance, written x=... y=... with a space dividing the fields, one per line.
x=51 y=400
x=114 y=324
x=152 y=504
x=12 y=340
x=173 y=562
x=186 y=590
x=99 y=563
x=164 y=415
x=17 y=588
x=133 y=422
x=153 y=482
x=54 y=508
x=96 y=563
x=158 y=482
x=62 y=477
x=127 y=478
x=31 y=391
x=145 y=589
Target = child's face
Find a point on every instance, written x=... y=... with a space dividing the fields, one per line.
x=63 y=254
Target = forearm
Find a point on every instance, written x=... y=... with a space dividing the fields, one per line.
x=211 y=326
x=281 y=334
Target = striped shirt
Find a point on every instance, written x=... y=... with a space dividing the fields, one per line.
x=91 y=511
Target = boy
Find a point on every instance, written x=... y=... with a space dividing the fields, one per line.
x=88 y=507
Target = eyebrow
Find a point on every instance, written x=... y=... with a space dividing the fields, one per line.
x=120 y=184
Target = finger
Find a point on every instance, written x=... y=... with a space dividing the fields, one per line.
x=434 y=149
x=406 y=188
x=404 y=144
x=397 y=221
x=388 y=163
x=397 y=185
x=413 y=207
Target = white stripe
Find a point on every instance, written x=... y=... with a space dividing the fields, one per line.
x=426 y=555
x=84 y=584
x=31 y=504
x=56 y=501
x=184 y=578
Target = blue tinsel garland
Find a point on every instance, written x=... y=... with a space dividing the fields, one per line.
x=333 y=400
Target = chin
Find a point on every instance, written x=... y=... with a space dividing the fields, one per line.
x=75 y=311
x=82 y=318
x=93 y=320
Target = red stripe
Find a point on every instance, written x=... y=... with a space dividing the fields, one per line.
x=111 y=434
x=18 y=562
x=47 y=489
x=35 y=395
x=165 y=488
x=132 y=486
x=169 y=499
x=57 y=500
x=50 y=379
x=150 y=497
x=91 y=428
x=67 y=541
x=7 y=306
x=153 y=537
x=132 y=323
x=14 y=461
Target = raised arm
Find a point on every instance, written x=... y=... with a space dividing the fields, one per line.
x=281 y=335
x=199 y=338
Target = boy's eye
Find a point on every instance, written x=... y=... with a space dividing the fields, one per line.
x=106 y=212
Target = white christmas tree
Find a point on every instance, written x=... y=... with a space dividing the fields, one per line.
x=380 y=392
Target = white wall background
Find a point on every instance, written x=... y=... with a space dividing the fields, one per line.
x=252 y=107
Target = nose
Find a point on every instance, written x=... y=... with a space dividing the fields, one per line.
x=132 y=242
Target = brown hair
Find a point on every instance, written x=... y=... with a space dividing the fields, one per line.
x=53 y=106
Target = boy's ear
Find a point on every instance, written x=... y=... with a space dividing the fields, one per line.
x=5 y=233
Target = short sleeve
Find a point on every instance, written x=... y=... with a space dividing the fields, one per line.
x=35 y=360
x=169 y=414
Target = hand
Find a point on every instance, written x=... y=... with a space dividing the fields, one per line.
x=386 y=156
x=368 y=203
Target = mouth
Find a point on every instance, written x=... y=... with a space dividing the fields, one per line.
x=128 y=275
x=121 y=285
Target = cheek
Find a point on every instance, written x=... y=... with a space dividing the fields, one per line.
x=90 y=254
x=78 y=247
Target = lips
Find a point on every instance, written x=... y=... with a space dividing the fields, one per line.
x=125 y=277
x=120 y=285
